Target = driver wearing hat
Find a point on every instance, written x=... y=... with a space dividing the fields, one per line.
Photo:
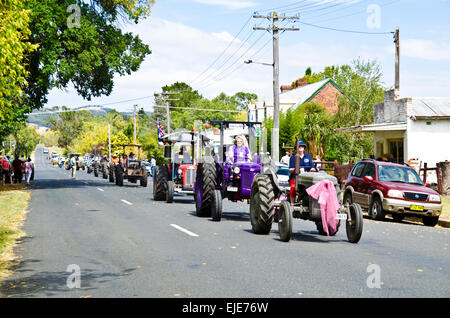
x=306 y=165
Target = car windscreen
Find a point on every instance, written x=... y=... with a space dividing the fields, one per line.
x=398 y=174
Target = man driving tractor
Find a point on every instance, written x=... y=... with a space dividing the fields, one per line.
x=306 y=165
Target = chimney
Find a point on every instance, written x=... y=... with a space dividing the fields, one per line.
x=285 y=88
x=301 y=82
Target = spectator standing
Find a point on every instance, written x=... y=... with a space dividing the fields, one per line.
x=29 y=166
x=6 y=165
x=152 y=165
x=285 y=159
x=17 y=165
x=73 y=164
x=318 y=162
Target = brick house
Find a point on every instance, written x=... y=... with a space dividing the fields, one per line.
x=325 y=92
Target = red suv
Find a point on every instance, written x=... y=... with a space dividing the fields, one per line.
x=396 y=189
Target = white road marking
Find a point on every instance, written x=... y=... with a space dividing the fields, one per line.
x=179 y=228
x=125 y=201
x=100 y=190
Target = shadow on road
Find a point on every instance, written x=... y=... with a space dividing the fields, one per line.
x=48 y=284
x=235 y=216
x=46 y=184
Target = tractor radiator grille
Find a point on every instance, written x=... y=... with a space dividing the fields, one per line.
x=190 y=176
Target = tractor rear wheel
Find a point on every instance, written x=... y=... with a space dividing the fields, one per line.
x=205 y=185
x=119 y=176
x=160 y=183
x=104 y=171
x=111 y=172
x=143 y=181
x=262 y=204
x=96 y=169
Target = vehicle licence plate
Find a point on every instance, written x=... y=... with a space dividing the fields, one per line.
x=341 y=216
x=232 y=189
x=416 y=207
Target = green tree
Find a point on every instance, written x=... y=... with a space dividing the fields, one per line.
x=15 y=46
x=27 y=139
x=87 y=56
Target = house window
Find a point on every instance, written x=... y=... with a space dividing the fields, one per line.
x=396 y=149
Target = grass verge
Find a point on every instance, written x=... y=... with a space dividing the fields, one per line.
x=13 y=208
x=445 y=205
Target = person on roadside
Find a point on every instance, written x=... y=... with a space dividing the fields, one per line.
x=131 y=156
x=6 y=165
x=17 y=166
x=318 y=162
x=1 y=171
x=152 y=165
x=29 y=166
x=73 y=165
x=285 y=159
x=306 y=165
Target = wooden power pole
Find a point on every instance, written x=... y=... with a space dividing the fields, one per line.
x=397 y=59
x=276 y=76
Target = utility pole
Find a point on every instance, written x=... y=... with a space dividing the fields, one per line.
x=276 y=76
x=134 y=119
x=397 y=59
x=109 y=141
x=166 y=101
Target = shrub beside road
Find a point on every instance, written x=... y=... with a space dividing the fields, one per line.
x=13 y=207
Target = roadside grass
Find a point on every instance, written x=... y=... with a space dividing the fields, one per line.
x=445 y=205
x=13 y=208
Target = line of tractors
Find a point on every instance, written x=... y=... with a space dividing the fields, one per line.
x=202 y=164
x=211 y=174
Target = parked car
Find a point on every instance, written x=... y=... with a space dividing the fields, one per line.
x=390 y=188
x=45 y=150
x=283 y=176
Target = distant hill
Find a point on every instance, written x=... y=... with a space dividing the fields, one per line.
x=41 y=117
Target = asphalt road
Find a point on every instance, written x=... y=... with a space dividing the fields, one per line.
x=127 y=245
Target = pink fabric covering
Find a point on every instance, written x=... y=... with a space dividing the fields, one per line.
x=325 y=193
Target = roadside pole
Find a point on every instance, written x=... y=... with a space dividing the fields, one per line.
x=109 y=141
x=134 y=120
x=276 y=76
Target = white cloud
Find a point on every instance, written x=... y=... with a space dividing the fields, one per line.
x=230 y=4
x=423 y=49
x=180 y=53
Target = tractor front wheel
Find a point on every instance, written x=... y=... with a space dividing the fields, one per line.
x=262 y=204
x=285 y=221
x=205 y=184
x=216 y=206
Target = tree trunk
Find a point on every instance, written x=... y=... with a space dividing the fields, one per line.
x=445 y=175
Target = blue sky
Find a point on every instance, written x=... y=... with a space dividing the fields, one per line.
x=187 y=36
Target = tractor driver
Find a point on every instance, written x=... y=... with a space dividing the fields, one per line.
x=239 y=151
x=306 y=165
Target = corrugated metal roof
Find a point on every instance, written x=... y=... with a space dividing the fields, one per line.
x=302 y=94
x=430 y=107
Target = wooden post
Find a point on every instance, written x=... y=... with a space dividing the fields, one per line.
x=439 y=177
x=445 y=177
x=425 y=166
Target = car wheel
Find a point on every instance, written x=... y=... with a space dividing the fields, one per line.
x=376 y=209
x=430 y=220
x=398 y=217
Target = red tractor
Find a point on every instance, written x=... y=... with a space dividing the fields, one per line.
x=177 y=176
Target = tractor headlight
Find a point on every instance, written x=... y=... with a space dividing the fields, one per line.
x=236 y=170
x=180 y=171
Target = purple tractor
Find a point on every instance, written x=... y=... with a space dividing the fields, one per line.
x=231 y=172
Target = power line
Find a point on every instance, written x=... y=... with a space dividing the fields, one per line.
x=340 y=9
x=282 y=7
x=223 y=52
x=342 y=30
